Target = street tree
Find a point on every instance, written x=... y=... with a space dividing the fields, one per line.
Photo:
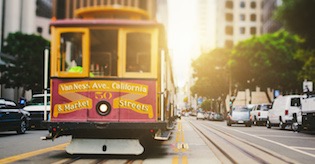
x=298 y=18
x=211 y=74
x=206 y=105
x=307 y=72
x=27 y=69
x=267 y=61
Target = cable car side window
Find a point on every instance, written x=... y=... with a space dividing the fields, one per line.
x=138 y=52
x=71 y=52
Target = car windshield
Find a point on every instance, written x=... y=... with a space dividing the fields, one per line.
x=241 y=113
x=241 y=109
x=4 y=104
x=265 y=107
x=38 y=101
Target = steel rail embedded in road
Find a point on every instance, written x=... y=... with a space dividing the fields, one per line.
x=236 y=149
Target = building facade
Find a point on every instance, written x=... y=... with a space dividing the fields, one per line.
x=238 y=20
x=29 y=17
x=66 y=8
x=269 y=24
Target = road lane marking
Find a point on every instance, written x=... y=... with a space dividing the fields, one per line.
x=277 y=143
x=184 y=160
x=303 y=148
x=180 y=146
x=62 y=161
x=175 y=160
x=293 y=137
x=31 y=154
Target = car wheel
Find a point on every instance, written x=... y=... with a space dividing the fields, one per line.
x=255 y=121
x=22 y=128
x=296 y=127
x=268 y=125
x=281 y=125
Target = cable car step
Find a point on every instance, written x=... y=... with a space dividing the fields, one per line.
x=105 y=146
x=162 y=135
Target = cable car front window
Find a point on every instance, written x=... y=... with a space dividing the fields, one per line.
x=104 y=52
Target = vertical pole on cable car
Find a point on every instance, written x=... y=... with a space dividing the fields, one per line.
x=46 y=53
x=162 y=83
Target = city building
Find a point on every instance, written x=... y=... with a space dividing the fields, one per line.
x=65 y=8
x=29 y=17
x=237 y=20
x=204 y=15
x=269 y=24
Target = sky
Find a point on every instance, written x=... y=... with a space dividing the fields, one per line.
x=183 y=37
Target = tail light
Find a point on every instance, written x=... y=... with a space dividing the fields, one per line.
x=258 y=113
x=286 y=112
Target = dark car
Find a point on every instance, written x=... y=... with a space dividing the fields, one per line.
x=12 y=118
x=239 y=115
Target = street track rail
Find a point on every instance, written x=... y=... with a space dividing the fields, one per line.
x=235 y=149
x=96 y=161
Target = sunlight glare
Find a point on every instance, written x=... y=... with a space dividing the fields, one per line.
x=182 y=38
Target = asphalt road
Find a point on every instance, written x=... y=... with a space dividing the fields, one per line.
x=185 y=145
x=12 y=144
x=297 y=146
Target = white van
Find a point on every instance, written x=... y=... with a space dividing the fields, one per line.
x=36 y=108
x=285 y=110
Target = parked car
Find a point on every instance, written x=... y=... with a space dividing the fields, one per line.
x=36 y=108
x=307 y=119
x=12 y=118
x=251 y=106
x=200 y=115
x=211 y=116
x=283 y=111
x=259 y=113
x=239 y=115
x=218 y=117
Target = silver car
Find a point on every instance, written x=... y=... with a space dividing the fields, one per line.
x=239 y=115
x=200 y=115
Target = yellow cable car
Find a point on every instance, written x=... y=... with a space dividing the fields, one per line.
x=111 y=81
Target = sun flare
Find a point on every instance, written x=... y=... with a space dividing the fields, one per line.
x=182 y=36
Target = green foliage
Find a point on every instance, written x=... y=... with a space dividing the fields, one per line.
x=206 y=105
x=27 y=69
x=297 y=16
x=211 y=72
x=308 y=69
x=267 y=61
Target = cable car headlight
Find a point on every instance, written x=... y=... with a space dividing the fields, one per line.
x=103 y=108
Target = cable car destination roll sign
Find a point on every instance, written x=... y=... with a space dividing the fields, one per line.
x=129 y=96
